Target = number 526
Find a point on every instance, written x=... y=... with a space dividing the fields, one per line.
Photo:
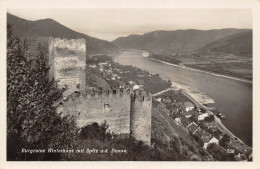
x=230 y=151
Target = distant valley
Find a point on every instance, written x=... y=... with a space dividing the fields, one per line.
x=222 y=51
x=175 y=41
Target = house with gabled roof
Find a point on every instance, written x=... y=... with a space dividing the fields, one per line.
x=185 y=121
x=188 y=106
x=198 y=116
x=203 y=141
x=213 y=140
x=206 y=140
x=159 y=99
x=198 y=132
x=192 y=127
x=212 y=126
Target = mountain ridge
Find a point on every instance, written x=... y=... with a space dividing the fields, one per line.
x=40 y=30
x=177 y=40
x=239 y=43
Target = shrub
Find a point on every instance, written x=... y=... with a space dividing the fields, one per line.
x=96 y=131
x=32 y=121
x=210 y=118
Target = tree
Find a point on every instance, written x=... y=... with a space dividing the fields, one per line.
x=210 y=118
x=226 y=139
x=32 y=120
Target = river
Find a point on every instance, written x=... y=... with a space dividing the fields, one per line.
x=233 y=98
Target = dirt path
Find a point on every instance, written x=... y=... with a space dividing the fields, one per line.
x=156 y=94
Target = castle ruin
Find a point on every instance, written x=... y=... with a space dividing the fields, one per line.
x=126 y=111
x=67 y=60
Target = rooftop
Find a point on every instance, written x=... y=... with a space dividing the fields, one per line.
x=205 y=139
x=188 y=104
x=185 y=121
x=192 y=127
x=197 y=114
x=200 y=133
x=188 y=113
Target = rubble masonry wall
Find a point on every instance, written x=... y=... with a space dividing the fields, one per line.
x=124 y=111
x=114 y=108
x=68 y=63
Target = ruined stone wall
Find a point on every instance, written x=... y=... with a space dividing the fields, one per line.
x=71 y=44
x=125 y=112
x=141 y=117
x=109 y=106
x=68 y=62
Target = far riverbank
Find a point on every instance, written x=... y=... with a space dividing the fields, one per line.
x=233 y=98
x=203 y=71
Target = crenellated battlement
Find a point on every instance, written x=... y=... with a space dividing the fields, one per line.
x=67 y=60
x=126 y=110
x=135 y=95
x=139 y=96
x=71 y=44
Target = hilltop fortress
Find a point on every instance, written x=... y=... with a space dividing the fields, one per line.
x=126 y=111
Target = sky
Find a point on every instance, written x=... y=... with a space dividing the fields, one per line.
x=109 y=24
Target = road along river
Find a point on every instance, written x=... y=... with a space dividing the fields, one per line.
x=232 y=97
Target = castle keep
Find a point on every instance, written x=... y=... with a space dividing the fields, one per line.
x=67 y=59
x=126 y=111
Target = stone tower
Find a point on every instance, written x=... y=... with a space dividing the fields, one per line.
x=140 y=117
x=126 y=112
x=67 y=60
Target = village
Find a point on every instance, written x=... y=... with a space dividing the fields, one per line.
x=119 y=76
x=149 y=84
x=198 y=122
x=201 y=125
